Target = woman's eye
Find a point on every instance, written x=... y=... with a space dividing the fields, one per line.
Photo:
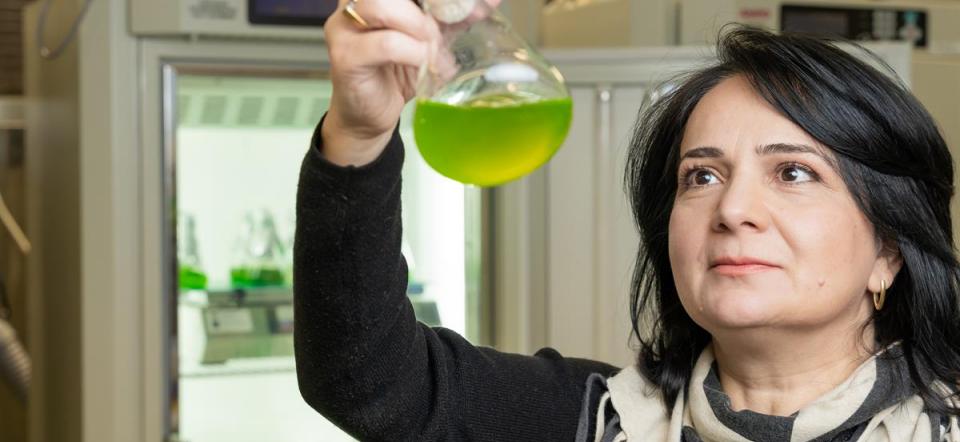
x=796 y=174
x=702 y=177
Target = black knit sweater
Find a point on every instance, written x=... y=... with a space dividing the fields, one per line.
x=363 y=360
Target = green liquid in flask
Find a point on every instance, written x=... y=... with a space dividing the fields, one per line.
x=491 y=140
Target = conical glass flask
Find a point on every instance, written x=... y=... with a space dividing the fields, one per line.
x=191 y=274
x=490 y=108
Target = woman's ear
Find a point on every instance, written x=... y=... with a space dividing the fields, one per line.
x=885 y=268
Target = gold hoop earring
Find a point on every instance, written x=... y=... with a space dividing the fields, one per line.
x=880 y=297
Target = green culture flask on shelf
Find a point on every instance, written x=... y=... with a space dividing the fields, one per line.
x=490 y=109
x=261 y=253
x=190 y=275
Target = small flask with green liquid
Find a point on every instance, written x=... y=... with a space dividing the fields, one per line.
x=190 y=274
x=260 y=252
x=490 y=109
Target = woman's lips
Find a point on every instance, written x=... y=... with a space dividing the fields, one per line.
x=736 y=266
x=741 y=269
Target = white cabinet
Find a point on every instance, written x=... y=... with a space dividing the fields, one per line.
x=591 y=241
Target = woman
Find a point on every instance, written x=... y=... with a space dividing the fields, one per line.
x=796 y=265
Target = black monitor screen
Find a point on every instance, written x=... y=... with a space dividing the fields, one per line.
x=291 y=12
x=816 y=21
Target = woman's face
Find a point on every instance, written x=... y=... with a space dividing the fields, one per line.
x=764 y=232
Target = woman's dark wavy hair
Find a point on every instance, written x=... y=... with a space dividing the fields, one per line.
x=891 y=156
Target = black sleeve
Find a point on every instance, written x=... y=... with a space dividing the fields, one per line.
x=363 y=360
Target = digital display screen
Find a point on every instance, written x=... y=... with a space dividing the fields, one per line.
x=865 y=24
x=815 y=21
x=291 y=12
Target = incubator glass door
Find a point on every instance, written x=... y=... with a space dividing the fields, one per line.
x=239 y=136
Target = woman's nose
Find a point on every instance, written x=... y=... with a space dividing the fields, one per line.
x=741 y=206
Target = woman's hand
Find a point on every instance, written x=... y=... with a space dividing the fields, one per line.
x=374 y=74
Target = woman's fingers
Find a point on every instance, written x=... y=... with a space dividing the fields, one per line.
x=397 y=32
x=377 y=48
x=400 y=15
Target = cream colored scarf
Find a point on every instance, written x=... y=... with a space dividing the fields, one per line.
x=844 y=413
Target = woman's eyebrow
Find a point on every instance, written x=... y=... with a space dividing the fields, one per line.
x=702 y=152
x=769 y=149
x=766 y=149
x=782 y=148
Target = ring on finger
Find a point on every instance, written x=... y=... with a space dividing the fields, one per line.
x=351 y=10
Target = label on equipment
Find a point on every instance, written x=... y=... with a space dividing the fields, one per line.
x=284 y=316
x=229 y=321
x=451 y=11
